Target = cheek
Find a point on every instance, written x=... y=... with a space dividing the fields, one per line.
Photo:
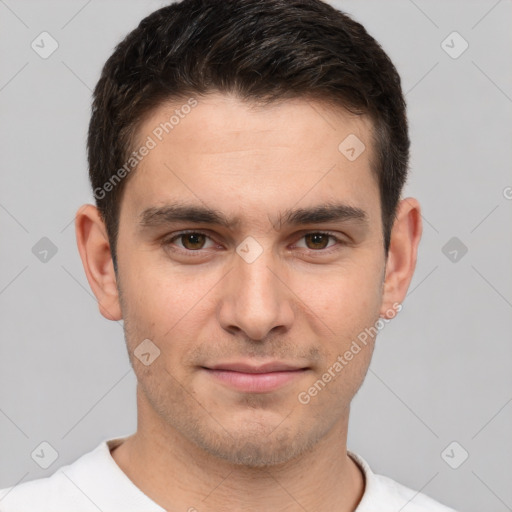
x=156 y=288
x=161 y=296
x=347 y=297
x=168 y=307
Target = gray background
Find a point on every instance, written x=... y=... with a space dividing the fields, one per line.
x=441 y=372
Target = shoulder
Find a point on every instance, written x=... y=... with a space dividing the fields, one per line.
x=382 y=491
x=56 y=492
x=401 y=496
x=92 y=482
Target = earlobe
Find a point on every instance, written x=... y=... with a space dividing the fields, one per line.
x=94 y=249
x=402 y=256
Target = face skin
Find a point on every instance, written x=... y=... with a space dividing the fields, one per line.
x=303 y=301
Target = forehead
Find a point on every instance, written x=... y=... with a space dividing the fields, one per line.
x=232 y=154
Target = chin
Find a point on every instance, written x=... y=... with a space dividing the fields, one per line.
x=257 y=447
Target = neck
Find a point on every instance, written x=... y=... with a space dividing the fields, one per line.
x=178 y=475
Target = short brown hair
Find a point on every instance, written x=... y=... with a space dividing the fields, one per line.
x=260 y=50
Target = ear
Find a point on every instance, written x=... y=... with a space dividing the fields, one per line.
x=401 y=261
x=94 y=248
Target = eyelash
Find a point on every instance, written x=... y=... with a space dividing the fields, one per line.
x=167 y=242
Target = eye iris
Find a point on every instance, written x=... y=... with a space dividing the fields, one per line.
x=193 y=239
x=317 y=238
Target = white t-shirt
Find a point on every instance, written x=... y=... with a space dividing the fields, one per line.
x=95 y=482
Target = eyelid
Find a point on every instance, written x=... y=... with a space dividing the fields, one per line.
x=167 y=241
x=330 y=234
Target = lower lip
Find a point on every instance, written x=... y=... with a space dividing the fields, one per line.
x=255 y=382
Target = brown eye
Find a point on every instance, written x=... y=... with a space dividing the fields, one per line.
x=188 y=243
x=317 y=240
x=192 y=241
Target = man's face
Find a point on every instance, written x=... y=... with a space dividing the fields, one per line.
x=263 y=290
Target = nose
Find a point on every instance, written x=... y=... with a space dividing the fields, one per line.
x=256 y=298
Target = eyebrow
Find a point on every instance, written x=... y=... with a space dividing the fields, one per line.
x=181 y=212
